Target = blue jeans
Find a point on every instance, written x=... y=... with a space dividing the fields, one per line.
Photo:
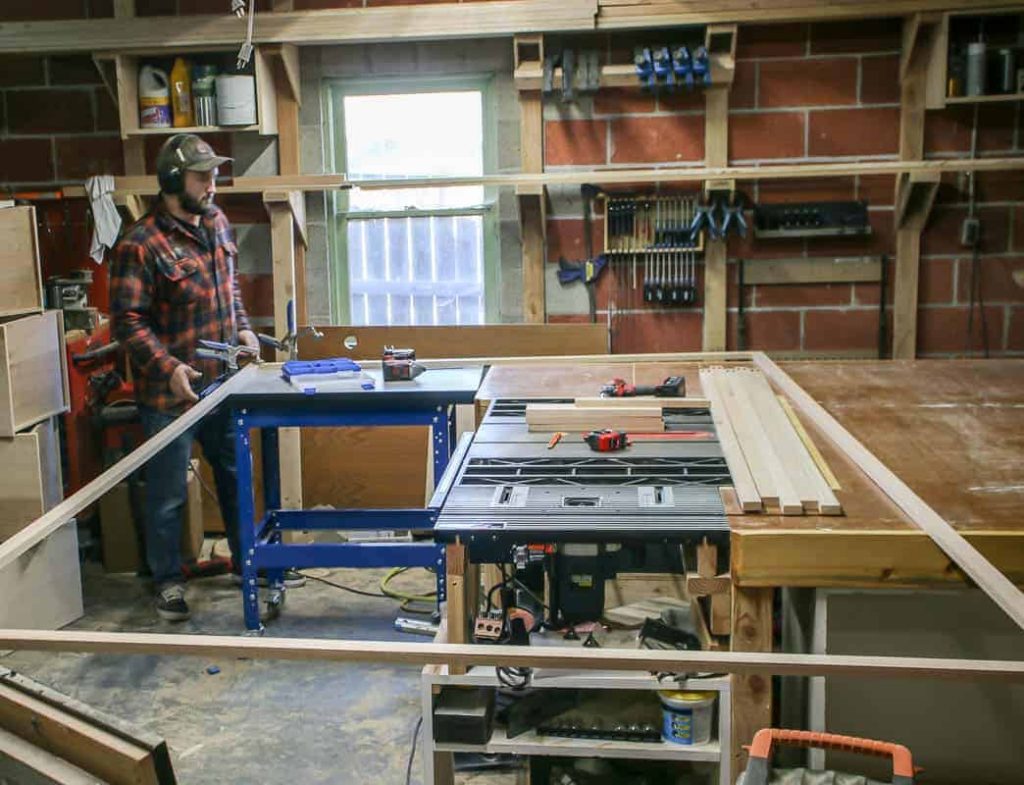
x=166 y=487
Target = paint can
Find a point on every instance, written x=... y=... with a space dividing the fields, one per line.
x=236 y=99
x=686 y=716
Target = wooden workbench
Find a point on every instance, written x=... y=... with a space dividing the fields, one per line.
x=953 y=430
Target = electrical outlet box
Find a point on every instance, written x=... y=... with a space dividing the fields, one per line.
x=970 y=232
x=487 y=629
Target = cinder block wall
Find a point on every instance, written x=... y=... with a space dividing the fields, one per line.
x=802 y=93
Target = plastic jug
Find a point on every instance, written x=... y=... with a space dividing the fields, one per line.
x=181 y=93
x=154 y=98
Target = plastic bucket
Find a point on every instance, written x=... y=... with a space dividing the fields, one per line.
x=687 y=716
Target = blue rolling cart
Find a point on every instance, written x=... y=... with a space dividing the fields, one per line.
x=268 y=403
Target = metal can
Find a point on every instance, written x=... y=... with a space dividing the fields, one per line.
x=1007 y=71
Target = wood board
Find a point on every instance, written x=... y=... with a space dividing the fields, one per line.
x=211 y=647
x=549 y=417
x=782 y=469
x=24 y=763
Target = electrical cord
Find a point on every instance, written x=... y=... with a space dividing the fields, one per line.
x=342 y=586
x=407 y=599
x=412 y=752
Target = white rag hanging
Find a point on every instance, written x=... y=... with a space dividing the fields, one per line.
x=104 y=215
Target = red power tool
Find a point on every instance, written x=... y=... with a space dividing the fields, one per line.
x=672 y=387
x=607 y=440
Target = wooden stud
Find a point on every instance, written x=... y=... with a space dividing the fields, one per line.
x=707 y=560
x=812 y=448
x=532 y=220
x=700 y=586
x=905 y=294
x=751 y=693
x=721 y=613
x=716 y=154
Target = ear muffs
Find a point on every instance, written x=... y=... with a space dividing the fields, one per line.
x=170 y=172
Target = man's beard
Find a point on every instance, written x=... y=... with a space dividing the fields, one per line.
x=195 y=206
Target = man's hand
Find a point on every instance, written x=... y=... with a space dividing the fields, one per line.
x=181 y=383
x=248 y=338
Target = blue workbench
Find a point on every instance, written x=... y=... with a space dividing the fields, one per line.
x=267 y=402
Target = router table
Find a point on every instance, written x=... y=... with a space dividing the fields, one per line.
x=267 y=402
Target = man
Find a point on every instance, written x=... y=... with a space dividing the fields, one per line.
x=172 y=283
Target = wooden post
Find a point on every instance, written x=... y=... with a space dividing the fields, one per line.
x=716 y=153
x=134 y=148
x=457 y=626
x=751 y=694
x=920 y=37
x=532 y=217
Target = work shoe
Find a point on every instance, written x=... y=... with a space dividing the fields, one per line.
x=292 y=579
x=170 y=603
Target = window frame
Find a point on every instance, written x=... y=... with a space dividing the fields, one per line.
x=335 y=147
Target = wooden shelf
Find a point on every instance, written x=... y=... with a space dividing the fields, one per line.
x=126 y=70
x=983 y=99
x=531 y=743
x=193 y=129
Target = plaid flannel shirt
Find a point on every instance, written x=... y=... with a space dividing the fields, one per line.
x=171 y=286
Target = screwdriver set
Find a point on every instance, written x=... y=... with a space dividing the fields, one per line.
x=653 y=233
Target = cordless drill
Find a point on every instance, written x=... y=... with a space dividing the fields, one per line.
x=672 y=387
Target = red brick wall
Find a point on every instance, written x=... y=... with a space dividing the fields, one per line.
x=802 y=93
x=58 y=125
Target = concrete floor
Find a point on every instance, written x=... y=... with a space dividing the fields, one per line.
x=273 y=723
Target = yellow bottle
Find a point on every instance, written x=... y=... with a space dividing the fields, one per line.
x=181 y=93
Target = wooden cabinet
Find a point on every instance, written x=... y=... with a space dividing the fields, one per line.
x=30 y=483
x=33 y=378
x=126 y=71
x=21 y=286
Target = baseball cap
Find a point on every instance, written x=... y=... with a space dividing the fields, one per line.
x=190 y=152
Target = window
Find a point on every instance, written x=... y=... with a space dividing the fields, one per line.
x=417 y=256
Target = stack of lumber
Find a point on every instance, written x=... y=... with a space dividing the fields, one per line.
x=548 y=417
x=771 y=468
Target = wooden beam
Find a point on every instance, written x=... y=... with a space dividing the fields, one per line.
x=905 y=294
x=967 y=557
x=532 y=212
x=608 y=177
x=155 y=35
x=212 y=647
x=24 y=763
x=296 y=206
x=915 y=195
x=287 y=56
x=751 y=692
x=99 y=752
x=91 y=492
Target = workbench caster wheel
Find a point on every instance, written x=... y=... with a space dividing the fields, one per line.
x=257 y=633
x=275 y=602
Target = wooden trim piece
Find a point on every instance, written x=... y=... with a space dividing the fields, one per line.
x=608 y=177
x=212 y=647
x=643 y=402
x=749 y=438
x=812 y=448
x=742 y=479
x=967 y=557
x=42 y=527
x=567 y=417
